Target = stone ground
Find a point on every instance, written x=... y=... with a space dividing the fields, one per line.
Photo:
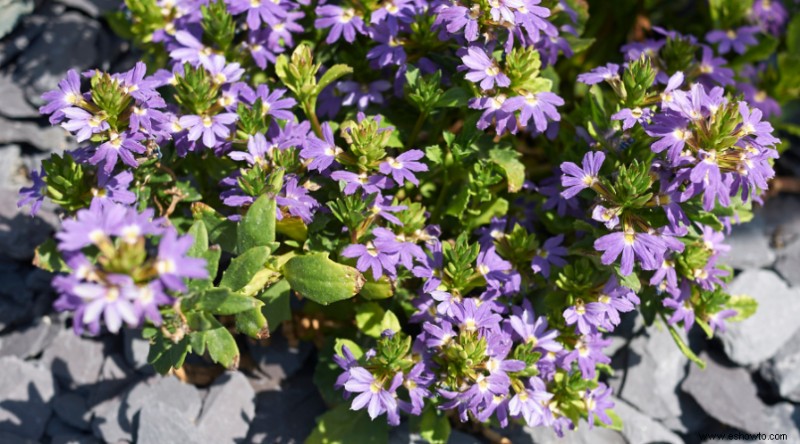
x=58 y=388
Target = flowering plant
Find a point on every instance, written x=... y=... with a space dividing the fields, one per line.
x=452 y=198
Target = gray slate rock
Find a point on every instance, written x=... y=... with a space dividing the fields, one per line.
x=782 y=218
x=73 y=409
x=781 y=369
x=749 y=246
x=638 y=428
x=10 y=13
x=11 y=438
x=228 y=410
x=43 y=64
x=136 y=351
x=655 y=366
x=582 y=435
x=729 y=395
x=11 y=166
x=74 y=439
x=20 y=233
x=31 y=340
x=25 y=393
x=57 y=427
x=49 y=138
x=160 y=423
x=30 y=28
x=14 y=104
x=74 y=360
x=788 y=263
x=278 y=359
x=94 y=8
x=750 y=342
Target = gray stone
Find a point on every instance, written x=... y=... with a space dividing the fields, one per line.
x=788 y=263
x=14 y=287
x=109 y=422
x=20 y=233
x=655 y=366
x=136 y=351
x=781 y=369
x=278 y=359
x=160 y=423
x=12 y=313
x=749 y=246
x=730 y=395
x=95 y=8
x=638 y=428
x=14 y=104
x=11 y=167
x=30 y=28
x=74 y=360
x=74 y=439
x=12 y=438
x=49 y=138
x=43 y=64
x=10 y=13
x=759 y=337
x=169 y=391
x=782 y=218
x=31 y=340
x=582 y=435
x=105 y=400
x=228 y=409
x=25 y=393
x=57 y=427
x=73 y=409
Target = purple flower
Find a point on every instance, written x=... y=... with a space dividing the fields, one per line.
x=120 y=146
x=272 y=103
x=373 y=395
x=535 y=107
x=416 y=382
x=588 y=352
x=83 y=123
x=471 y=317
x=321 y=152
x=258 y=11
x=630 y=117
x=533 y=19
x=587 y=317
x=759 y=99
x=370 y=184
x=172 y=263
x=371 y=256
x=648 y=248
x=607 y=216
x=532 y=329
x=257 y=151
x=222 y=72
x=551 y=253
x=107 y=300
x=682 y=306
x=404 y=166
x=296 y=199
x=361 y=95
x=529 y=403
x=146 y=300
x=34 y=194
x=713 y=68
x=576 y=179
x=211 y=128
x=346 y=361
x=91 y=226
x=597 y=401
x=456 y=17
x=389 y=50
x=600 y=74
x=342 y=21
x=67 y=95
x=615 y=299
x=483 y=69
x=738 y=39
x=672 y=128
x=754 y=128
x=717 y=320
x=770 y=15
x=494 y=113
x=190 y=49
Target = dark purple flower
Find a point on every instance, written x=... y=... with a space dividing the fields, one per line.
x=272 y=103
x=532 y=329
x=494 y=114
x=297 y=201
x=389 y=50
x=455 y=17
x=373 y=395
x=212 y=128
x=483 y=69
x=82 y=123
x=258 y=11
x=770 y=15
x=588 y=352
x=577 y=179
x=120 y=146
x=538 y=108
x=600 y=74
x=361 y=95
x=738 y=40
x=551 y=253
x=370 y=184
x=34 y=194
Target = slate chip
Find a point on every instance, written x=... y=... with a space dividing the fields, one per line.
x=25 y=393
x=228 y=410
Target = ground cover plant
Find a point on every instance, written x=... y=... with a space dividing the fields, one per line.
x=456 y=201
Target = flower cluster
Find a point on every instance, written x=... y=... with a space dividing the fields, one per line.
x=460 y=218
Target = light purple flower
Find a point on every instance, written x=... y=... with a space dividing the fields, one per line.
x=82 y=123
x=296 y=199
x=373 y=395
x=483 y=69
x=371 y=256
x=120 y=146
x=648 y=248
x=172 y=263
x=550 y=254
x=540 y=108
x=600 y=74
x=321 y=152
x=258 y=11
x=212 y=128
x=403 y=167
x=737 y=40
x=342 y=21
x=577 y=179
x=67 y=95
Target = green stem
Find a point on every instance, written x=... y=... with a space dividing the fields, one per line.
x=417 y=128
x=308 y=108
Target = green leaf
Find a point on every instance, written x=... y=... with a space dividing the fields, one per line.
x=47 y=257
x=209 y=334
x=744 y=305
x=352 y=346
x=458 y=203
x=390 y=322
x=435 y=154
x=368 y=319
x=332 y=74
x=341 y=425
x=165 y=354
x=453 y=98
x=630 y=281
x=434 y=427
x=322 y=280
x=293 y=228
x=220 y=301
x=616 y=421
x=682 y=345
x=508 y=161
x=244 y=268
x=253 y=323
x=762 y=51
x=383 y=288
x=793 y=35
x=199 y=233
x=276 y=303
x=257 y=228
x=221 y=231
